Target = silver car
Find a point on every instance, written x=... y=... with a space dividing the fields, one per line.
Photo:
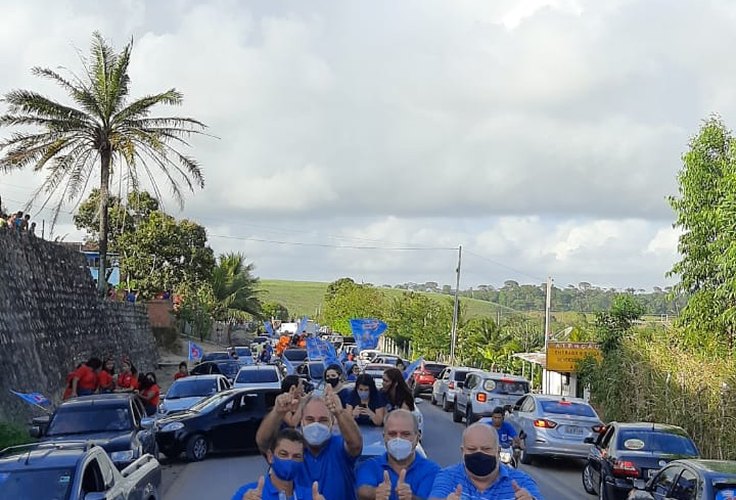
x=554 y=426
x=450 y=380
x=258 y=377
x=482 y=392
x=186 y=392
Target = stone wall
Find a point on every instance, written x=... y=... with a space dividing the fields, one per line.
x=51 y=319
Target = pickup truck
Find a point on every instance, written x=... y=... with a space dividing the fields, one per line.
x=75 y=471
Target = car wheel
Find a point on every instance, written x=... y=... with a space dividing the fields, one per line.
x=588 y=480
x=469 y=418
x=446 y=405
x=526 y=458
x=456 y=415
x=432 y=399
x=197 y=448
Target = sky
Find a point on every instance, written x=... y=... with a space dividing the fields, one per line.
x=371 y=139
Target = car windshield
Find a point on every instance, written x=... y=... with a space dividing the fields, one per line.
x=89 y=419
x=229 y=369
x=433 y=368
x=211 y=402
x=316 y=371
x=295 y=354
x=256 y=376
x=192 y=388
x=460 y=375
x=506 y=387
x=215 y=356
x=568 y=408
x=45 y=483
x=243 y=351
x=656 y=442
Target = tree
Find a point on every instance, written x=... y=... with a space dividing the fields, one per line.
x=275 y=310
x=235 y=291
x=424 y=321
x=99 y=129
x=348 y=300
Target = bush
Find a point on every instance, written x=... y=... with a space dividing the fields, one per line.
x=13 y=434
x=166 y=338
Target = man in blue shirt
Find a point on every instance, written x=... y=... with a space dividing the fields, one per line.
x=507 y=435
x=329 y=459
x=480 y=475
x=400 y=473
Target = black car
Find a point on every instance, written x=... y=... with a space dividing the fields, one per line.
x=313 y=371
x=229 y=368
x=226 y=421
x=295 y=356
x=624 y=452
x=113 y=421
x=691 y=480
x=216 y=356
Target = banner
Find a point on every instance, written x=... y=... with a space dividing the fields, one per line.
x=327 y=351
x=195 y=352
x=564 y=356
x=366 y=332
x=302 y=325
x=313 y=349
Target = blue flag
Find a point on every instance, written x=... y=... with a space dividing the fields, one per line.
x=302 y=325
x=313 y=350
x=33 y=398
x=366 y=332
x=290 y=370
x=269 y=328
x=412 y=368
x=327 y=351
x=195 y=352
x=343 y=357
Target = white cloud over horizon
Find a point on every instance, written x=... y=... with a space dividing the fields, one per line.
x=542 y=135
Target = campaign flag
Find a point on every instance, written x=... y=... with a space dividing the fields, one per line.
x=195 y=352
x=327 y=351
x=302 y=325
x=343 y=357
x=313 y=350
x=412 y=368
x=290 y=370
x=33 y=398
x=366 y=332
x=269 y=328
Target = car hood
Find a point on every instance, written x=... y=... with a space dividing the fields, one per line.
x=110 y=440
x=177 y=417
x=260 y=385
x=181 y=404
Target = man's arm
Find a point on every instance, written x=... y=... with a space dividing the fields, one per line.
x=272 y=422
x=345 y=421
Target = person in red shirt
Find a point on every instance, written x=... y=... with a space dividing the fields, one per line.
x=106 y=377
x=84 y=381
x=183 y=371
x=128 y=378
x=68 y=390
x=150 y=393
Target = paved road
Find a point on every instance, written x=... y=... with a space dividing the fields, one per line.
x=219 y=477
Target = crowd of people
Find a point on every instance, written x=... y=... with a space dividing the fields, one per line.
x=17 y=222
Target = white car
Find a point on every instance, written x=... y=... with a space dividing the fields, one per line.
x=186 y=392
x=259 y=377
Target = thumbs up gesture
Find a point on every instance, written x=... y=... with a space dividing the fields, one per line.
x=316 y=495
x=403 y=490
x=521 y=493
x=383 y=490
x=457 y=494
x=257 y=493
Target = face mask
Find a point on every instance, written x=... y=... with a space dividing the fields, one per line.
x=364 y=395
x=399 y=448
x=333 y=381
x=285 y=469
x=480 y=464
x=315 y=434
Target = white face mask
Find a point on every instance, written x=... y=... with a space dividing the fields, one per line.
x=316 y=434
x=399 y=448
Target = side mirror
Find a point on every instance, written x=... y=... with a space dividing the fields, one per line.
x=589 y=440
x=44 y=420
x=34 y=431
x=147 y=422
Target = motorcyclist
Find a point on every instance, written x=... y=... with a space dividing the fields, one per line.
x=507 y=435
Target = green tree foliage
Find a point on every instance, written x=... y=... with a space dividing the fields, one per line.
x=165 y=254
x=235 y=291
x=124 y=217
x=197 y=308
x=423 y=321
x=347 y=299
x=275 y=310
x=100 y=133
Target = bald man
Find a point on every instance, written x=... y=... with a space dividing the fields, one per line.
x=481 y=475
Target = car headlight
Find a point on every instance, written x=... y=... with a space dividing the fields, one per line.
x=122 y=456
x=173 y=426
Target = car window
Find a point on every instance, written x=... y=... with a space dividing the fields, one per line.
x=36 y=483
x=256 y=376
x=460 y=375
x=505 y=387
x=184 y=388
x=92 y=481
x=686 y=486
x=665 y=479
x=89 y=419
x=568 y=408
x=656 y=441
x=137 y=412
x=528 y=405
x=606 y=438
x=107 y=475
x=470 y=381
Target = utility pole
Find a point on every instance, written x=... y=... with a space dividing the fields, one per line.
x=547 y=328
x=456 y=310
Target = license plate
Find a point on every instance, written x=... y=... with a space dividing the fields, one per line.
x=574 y=431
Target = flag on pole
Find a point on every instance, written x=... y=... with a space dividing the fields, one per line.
x=313 y=349
x=412 y=368
x=269 y=328
x=195 y=352
x=290 y=370
x=366 y=332
x=33 y=398
x=302 y=325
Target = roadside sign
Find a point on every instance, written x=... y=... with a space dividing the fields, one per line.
x=563 y=356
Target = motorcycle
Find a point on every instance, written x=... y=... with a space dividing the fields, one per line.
x=508 y=456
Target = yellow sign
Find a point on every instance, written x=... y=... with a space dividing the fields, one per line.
x=563 y=356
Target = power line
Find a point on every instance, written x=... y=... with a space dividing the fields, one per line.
x=326 y=245
x=505 y=266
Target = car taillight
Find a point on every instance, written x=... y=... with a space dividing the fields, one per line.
x=451 y=385
x=543 y=423
x=597 y=428
x=625 y=468
x=481 y=397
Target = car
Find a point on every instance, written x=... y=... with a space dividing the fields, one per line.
x=261 y=339
x=228 y=368
x=245 y=355
x=215 y=356
x=75 y=470
x=690 y=479
x=259 y=377
x=376 y=370
x=627 y=451
x=483 y=391
x=226 y=421
x=422 y=380
x=447 y=383
x=391 y=359
x=187 y=391
x=296 y=356
x=313 y=371
x=554 y=426
x=114 y=421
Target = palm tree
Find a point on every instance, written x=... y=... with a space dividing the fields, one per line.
x=100 y=129
x=235 y=291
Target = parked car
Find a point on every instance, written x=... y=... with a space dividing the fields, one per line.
x=114 y=421
x=391 y=359
x=627 y=451
x=229 y=368
x=691 y=480
x=483 y=391
x=447 y=383
x=188 y=391
x=227 y=421
x=75 y=470
x=422 y=380
x=245 y=355
x=215 y=356
x=376 y=370
x=295 y=356
x=555 y=426
x=313 y=371
x=259 y=377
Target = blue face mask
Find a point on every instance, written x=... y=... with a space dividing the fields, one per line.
x=364 y=395
x=316 y=434
x=285 y=469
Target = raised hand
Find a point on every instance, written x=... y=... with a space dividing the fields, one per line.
x=316 y=495
x=285 y=402
x=257 y=493
x=457 y=494
x=520 y=493
x=383 y=490
x=403 y=490
x=332 y=401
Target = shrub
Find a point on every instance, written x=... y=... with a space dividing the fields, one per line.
x=13 y=434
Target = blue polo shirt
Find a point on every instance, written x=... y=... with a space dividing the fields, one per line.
x=506 y=433
x=270 y=492
x=449 y=477
x=333 y=468
x=420 y=475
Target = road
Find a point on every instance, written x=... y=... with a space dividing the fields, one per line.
x=219 y=477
